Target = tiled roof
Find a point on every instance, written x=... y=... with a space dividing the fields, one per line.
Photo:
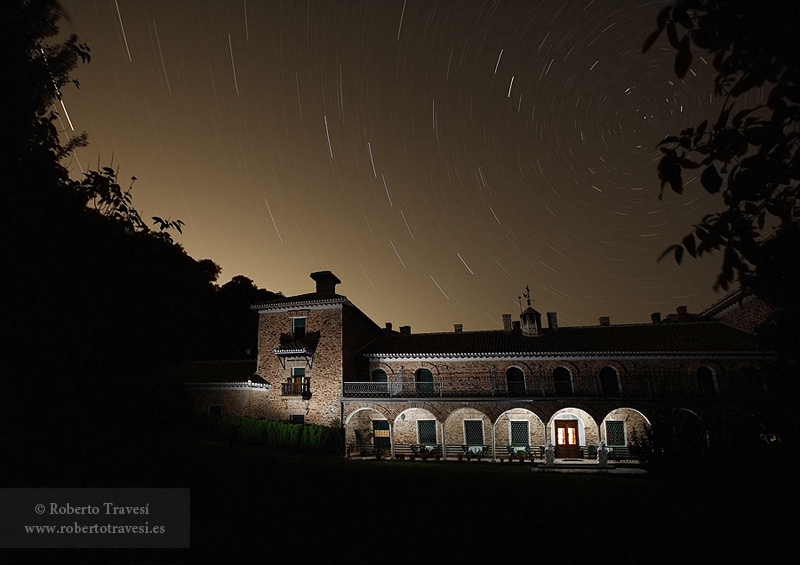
x=644 y=339
x=311 y=297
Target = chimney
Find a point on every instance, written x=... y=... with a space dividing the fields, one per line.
x=458 y=328
x=681 y=313
x=326 y=282
x=656 y=317
x=516 y=325
x=552 y=321
x=405 y=330
x=605 y=321
x=506 y=323
x=388 y=327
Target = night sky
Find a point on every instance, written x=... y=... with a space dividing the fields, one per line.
x=436 y=156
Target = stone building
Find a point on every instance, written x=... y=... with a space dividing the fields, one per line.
x=321 y=359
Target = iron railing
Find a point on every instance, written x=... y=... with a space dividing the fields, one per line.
x=637 y=383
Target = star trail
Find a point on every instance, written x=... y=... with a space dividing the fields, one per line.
x=436 y=156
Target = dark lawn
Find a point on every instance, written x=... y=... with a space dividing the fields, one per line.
x=254 y=505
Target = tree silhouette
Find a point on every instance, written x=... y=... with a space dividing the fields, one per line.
x=749 y=153
x=749 y=156
x=93 y=300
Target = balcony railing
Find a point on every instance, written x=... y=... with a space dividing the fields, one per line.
x=445 y=388
x=291 y=389
x=664 y=384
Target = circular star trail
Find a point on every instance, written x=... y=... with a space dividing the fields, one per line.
x=436 y=156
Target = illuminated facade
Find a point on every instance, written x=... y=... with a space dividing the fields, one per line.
x=321 y=359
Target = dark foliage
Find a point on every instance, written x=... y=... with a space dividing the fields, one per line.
x=93 y=299
x=748 y=155
x=309 y=439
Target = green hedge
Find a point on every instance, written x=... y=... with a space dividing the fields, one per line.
x=321 y=440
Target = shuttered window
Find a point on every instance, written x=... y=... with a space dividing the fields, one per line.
x=427 y=431
x=519 y=432
x=615 y=434
x=473 y=432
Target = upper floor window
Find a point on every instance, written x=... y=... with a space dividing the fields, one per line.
x=515 y=380
x=609 y=381
x=706 y=381
x=562 y=379
x=424 y=381
x=379 y=376
x=298 y=328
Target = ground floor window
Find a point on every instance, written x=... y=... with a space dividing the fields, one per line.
x=615 y=433
x=426 y=429
x=297 y=419
x=473 y=432
x=380 y=434
x=520 y=432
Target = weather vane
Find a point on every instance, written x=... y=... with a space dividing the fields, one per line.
x=527 y=295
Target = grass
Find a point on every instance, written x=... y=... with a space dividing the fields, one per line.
x=482 y=510
x=252 y=504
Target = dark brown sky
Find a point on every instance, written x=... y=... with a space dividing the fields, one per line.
x=437 y=156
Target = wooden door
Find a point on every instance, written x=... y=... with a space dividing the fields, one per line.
x=567 y=439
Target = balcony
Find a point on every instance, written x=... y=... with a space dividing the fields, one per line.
x=642 y=384
x=456 y=388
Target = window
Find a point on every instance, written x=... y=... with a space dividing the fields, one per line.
x=297 y=419
x=706 y=382
x=381 y=438
x=298 y=328
x=473 y=432
x=615 y=433
x=295 y=384
x=379 y=376
x=426 y=430
x=519 y=432
x=562 y=379
x=515 y=380
x=424 y=380
x=215 y=410
x=609 y=381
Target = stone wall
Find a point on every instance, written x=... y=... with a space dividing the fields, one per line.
x=325 y=372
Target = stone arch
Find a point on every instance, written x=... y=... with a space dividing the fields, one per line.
x=588 y=430
x=503 y=424
x=621 y=424
x=406 y=426
x=454 y=425
x=737 y=428
x=358 y=424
